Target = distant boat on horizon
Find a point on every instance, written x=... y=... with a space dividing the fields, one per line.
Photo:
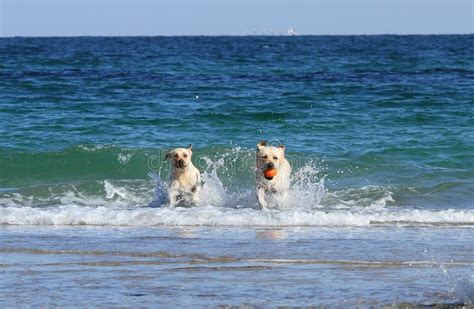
x=291 y=31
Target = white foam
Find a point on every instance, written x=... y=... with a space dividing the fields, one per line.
x=114 y=194
x=366 y=196
x=122 y=202
x=219 y=216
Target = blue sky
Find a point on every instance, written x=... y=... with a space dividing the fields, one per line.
x=233 y=17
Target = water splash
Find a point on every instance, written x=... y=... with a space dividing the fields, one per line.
x=307 y=187
x=161 y=192
x=306 y=190
x=213 y=192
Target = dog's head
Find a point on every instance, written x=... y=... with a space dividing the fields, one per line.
x=180 y=157
x=269 y=158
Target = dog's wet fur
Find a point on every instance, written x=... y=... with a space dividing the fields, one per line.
x=185 y=179
x=277 y=187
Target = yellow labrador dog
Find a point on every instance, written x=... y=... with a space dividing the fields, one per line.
x=272 y=174
x=185 y=179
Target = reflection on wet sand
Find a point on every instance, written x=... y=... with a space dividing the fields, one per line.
x=184 y=233
x=271 y=234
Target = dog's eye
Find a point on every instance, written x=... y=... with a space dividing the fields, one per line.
x=275 y=158
x=185 y=155
x=176 y=155
x=265 y=157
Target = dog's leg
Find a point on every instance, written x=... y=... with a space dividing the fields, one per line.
x=174 y=194
x=173 y=198
x=261 y=198
x=196 y=189
x=195 y=197
x=195 y=200
x=282 y=199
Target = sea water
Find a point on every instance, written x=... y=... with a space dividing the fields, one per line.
x=378 y=131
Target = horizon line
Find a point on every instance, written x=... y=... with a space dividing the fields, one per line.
x=227 y=35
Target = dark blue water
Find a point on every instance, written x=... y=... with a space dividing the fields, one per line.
x=391 y=111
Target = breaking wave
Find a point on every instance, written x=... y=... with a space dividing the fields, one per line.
x=220 y=216
x=227 y=198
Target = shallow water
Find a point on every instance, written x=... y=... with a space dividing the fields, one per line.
x=202 y=267
x=378 y=131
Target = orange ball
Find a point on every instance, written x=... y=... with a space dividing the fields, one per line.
x=269 y=173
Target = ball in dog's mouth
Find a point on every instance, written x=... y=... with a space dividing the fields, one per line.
x=269 y=173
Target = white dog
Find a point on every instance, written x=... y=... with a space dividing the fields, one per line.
x=272 y=174
x=185 y=179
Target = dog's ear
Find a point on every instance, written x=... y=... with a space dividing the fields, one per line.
x=167 y=155
x=282 y=148
x=261 y=145
x=190 y=147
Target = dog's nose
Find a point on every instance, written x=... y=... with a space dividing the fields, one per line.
x=181 y=163
x=270 y=165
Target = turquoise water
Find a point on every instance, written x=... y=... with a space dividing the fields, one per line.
x=378 y=130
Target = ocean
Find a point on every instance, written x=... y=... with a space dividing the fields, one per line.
x=379 y=131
